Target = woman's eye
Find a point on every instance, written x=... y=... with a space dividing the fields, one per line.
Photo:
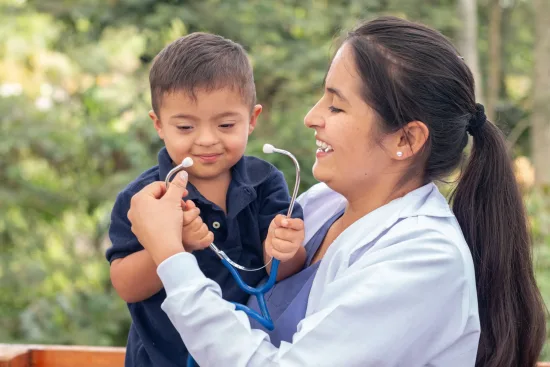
x=334 y=109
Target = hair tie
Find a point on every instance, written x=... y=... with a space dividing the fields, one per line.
x=477 y=120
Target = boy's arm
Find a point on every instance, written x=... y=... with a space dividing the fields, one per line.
x=276 y=200
x=133 y=272
x=134 y=277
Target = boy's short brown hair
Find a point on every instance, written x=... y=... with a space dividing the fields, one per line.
x=201 y=61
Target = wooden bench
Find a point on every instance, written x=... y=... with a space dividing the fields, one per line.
x=15 y=355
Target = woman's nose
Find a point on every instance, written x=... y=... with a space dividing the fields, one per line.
x=314 y=117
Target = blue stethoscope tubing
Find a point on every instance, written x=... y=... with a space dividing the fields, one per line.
x=259 y=292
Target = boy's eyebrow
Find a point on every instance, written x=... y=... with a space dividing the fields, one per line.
x=184 y=116
x=337 y=93
x=215 y=117
x=226 y=114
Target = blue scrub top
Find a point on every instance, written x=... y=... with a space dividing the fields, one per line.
x=287 y=301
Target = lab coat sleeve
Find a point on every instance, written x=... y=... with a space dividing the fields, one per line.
x=399 y=305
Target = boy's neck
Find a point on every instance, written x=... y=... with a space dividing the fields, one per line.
x=214 y=189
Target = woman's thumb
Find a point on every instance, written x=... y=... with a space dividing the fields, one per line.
x=177 y=188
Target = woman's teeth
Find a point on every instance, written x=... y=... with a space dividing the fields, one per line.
x=321 y=145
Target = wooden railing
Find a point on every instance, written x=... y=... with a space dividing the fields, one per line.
x=12 y=355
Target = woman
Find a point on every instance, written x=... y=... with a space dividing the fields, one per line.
x=393 y=277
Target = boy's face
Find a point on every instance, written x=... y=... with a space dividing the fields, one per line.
x=212 y=129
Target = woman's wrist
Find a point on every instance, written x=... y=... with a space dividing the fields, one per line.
x=166 y=250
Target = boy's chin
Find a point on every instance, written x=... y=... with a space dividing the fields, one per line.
x=208 y=172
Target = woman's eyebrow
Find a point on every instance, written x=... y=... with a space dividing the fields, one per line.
x=337 y=93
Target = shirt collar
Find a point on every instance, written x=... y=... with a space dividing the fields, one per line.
x=247 y=174
x=424 y=201
x=320 y=203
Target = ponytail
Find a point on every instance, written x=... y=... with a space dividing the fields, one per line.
x=489 y=207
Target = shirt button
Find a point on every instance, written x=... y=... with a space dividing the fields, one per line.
x=216 y=225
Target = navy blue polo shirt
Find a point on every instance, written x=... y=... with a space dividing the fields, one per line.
x=256 y=194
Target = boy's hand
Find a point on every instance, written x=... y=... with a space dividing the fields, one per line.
x=284 y=237
x=195 y=233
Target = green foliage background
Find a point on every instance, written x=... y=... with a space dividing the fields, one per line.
x=74 y=129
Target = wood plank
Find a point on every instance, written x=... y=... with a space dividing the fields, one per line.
x=14 y=356
x=70 y=356
x=20 y=360
x=17 y=355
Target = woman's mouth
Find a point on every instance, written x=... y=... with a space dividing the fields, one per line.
x=323 y=147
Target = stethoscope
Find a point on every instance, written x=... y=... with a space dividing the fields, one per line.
x=264 y=318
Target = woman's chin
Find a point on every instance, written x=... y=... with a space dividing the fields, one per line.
x=321 y=174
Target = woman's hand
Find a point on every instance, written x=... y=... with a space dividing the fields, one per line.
x=156 y=215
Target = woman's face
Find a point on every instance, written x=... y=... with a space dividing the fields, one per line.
x=352 y=154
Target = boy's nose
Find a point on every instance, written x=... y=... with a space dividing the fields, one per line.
x=207 y=138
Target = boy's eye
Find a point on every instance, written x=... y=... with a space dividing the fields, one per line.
x=227 y=126
x=185 y=127
x=334 y=109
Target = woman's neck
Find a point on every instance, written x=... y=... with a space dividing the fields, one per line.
x=361 y=202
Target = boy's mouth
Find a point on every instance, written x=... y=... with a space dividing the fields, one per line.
x=208 y=158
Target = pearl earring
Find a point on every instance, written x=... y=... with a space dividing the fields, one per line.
x=399 y=154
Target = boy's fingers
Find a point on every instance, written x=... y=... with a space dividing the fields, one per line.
x=283 y=246
x=293 y=223
x=189 y=204
x=207 y=240
x=278 y=220
x=190 y=215
x=284 y=234
x=201 y=231
x=194 y=226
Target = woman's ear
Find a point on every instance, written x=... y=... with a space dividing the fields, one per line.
x=410 y=140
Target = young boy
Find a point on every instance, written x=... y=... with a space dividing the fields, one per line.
x=204 y=107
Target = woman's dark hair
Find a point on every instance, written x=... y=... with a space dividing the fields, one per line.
x=413 y=73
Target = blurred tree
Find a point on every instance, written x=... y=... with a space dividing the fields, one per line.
x=467 y=41
x=495 y=58
x=541 y=103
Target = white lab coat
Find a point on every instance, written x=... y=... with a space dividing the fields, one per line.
x=396 y=288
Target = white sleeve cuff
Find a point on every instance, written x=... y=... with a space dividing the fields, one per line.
x=178 y=270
